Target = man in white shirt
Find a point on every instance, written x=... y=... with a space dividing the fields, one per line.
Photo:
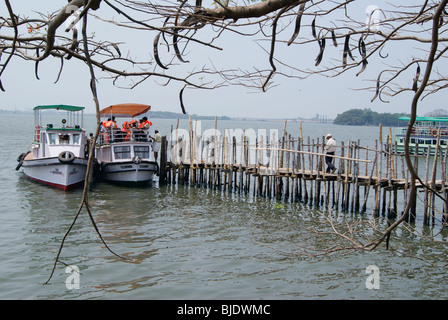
x=156 y=143
x=330 y=148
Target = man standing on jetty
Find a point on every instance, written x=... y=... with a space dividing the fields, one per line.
x=330 y=147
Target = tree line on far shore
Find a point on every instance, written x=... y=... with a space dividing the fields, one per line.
x=367 y=117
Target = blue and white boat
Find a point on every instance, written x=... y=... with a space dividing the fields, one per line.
x=58 y=155
x=424 y=134
x=125 y=155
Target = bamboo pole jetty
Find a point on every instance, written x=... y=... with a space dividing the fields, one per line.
x=293 y=169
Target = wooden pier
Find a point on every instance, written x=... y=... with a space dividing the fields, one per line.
x=288 y=168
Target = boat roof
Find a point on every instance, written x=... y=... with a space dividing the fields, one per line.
x=126 y=109
x=59 y=107
x=442 y=119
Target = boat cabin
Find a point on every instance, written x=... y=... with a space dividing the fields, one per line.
x=66 y=135
x=123 y=142
x=424 y=134
x=124 y=152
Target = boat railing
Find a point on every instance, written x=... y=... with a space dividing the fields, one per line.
x=112 y=135
x=37 y=134
x=427 y=131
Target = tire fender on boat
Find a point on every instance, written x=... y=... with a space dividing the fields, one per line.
x=434 y=132
x=136 y=159
x=66 y=157
x=20 y=159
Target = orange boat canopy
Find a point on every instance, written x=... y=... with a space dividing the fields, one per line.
x=125 y=110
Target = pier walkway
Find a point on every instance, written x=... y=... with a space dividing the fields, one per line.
x=293 y=169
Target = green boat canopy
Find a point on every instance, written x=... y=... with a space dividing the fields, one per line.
x=59 y=107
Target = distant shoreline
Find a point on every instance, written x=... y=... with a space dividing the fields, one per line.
x=174 y=115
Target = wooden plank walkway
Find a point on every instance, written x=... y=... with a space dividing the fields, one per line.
x=292 y=169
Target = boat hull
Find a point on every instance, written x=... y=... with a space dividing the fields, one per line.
x=129 y=172
x=51 y=171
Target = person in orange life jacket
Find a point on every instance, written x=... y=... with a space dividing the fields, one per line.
x=144 y=124
x=107 y=125
x=127 y=125
x=127 y=128
x=104 y=134
x=110 y=123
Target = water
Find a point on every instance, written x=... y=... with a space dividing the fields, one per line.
x=191 y=243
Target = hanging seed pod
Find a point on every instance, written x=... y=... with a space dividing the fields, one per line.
x=182 y=100
x=313 y=28
x=363 y=52
x=175 y=35
x=417 y=75
x=377 y=92
x=75 y=43
x=321 y=53
x=176 y=48
x=36 y=66
x=163 y=33
x=298 y=21
x=92 y=85
x=333 y=37
x=117 y=49
x=60 y=70
x=156 y=51
x=346 y=51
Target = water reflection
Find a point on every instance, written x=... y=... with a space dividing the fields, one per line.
x=187 y=242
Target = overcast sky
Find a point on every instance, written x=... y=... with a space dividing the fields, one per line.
x=291 y=98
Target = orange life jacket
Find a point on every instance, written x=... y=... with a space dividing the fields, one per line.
x=144 y=123
x=110 y=123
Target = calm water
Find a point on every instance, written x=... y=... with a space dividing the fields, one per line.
x=191 y=243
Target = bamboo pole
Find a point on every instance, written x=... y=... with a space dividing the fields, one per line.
x=444 y=188
x=426 y=199
x=316 y=154
x=433 y=176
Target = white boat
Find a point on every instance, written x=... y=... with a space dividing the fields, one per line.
x=58 y=155
x=424 y=135
x=125 y=156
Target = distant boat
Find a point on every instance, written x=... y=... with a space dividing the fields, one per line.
x=424 y=135
x=125 y=155
x=58 y=155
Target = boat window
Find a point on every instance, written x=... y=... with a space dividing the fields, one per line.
x=64 y=138
x=421 y=141
x=443 y=142
x=428 y=141
x=123 y=152
x=76 y=138
x=141 y=151
x=52 y=138
x=412 y=140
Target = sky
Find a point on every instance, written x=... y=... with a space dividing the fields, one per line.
x=290 y=98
